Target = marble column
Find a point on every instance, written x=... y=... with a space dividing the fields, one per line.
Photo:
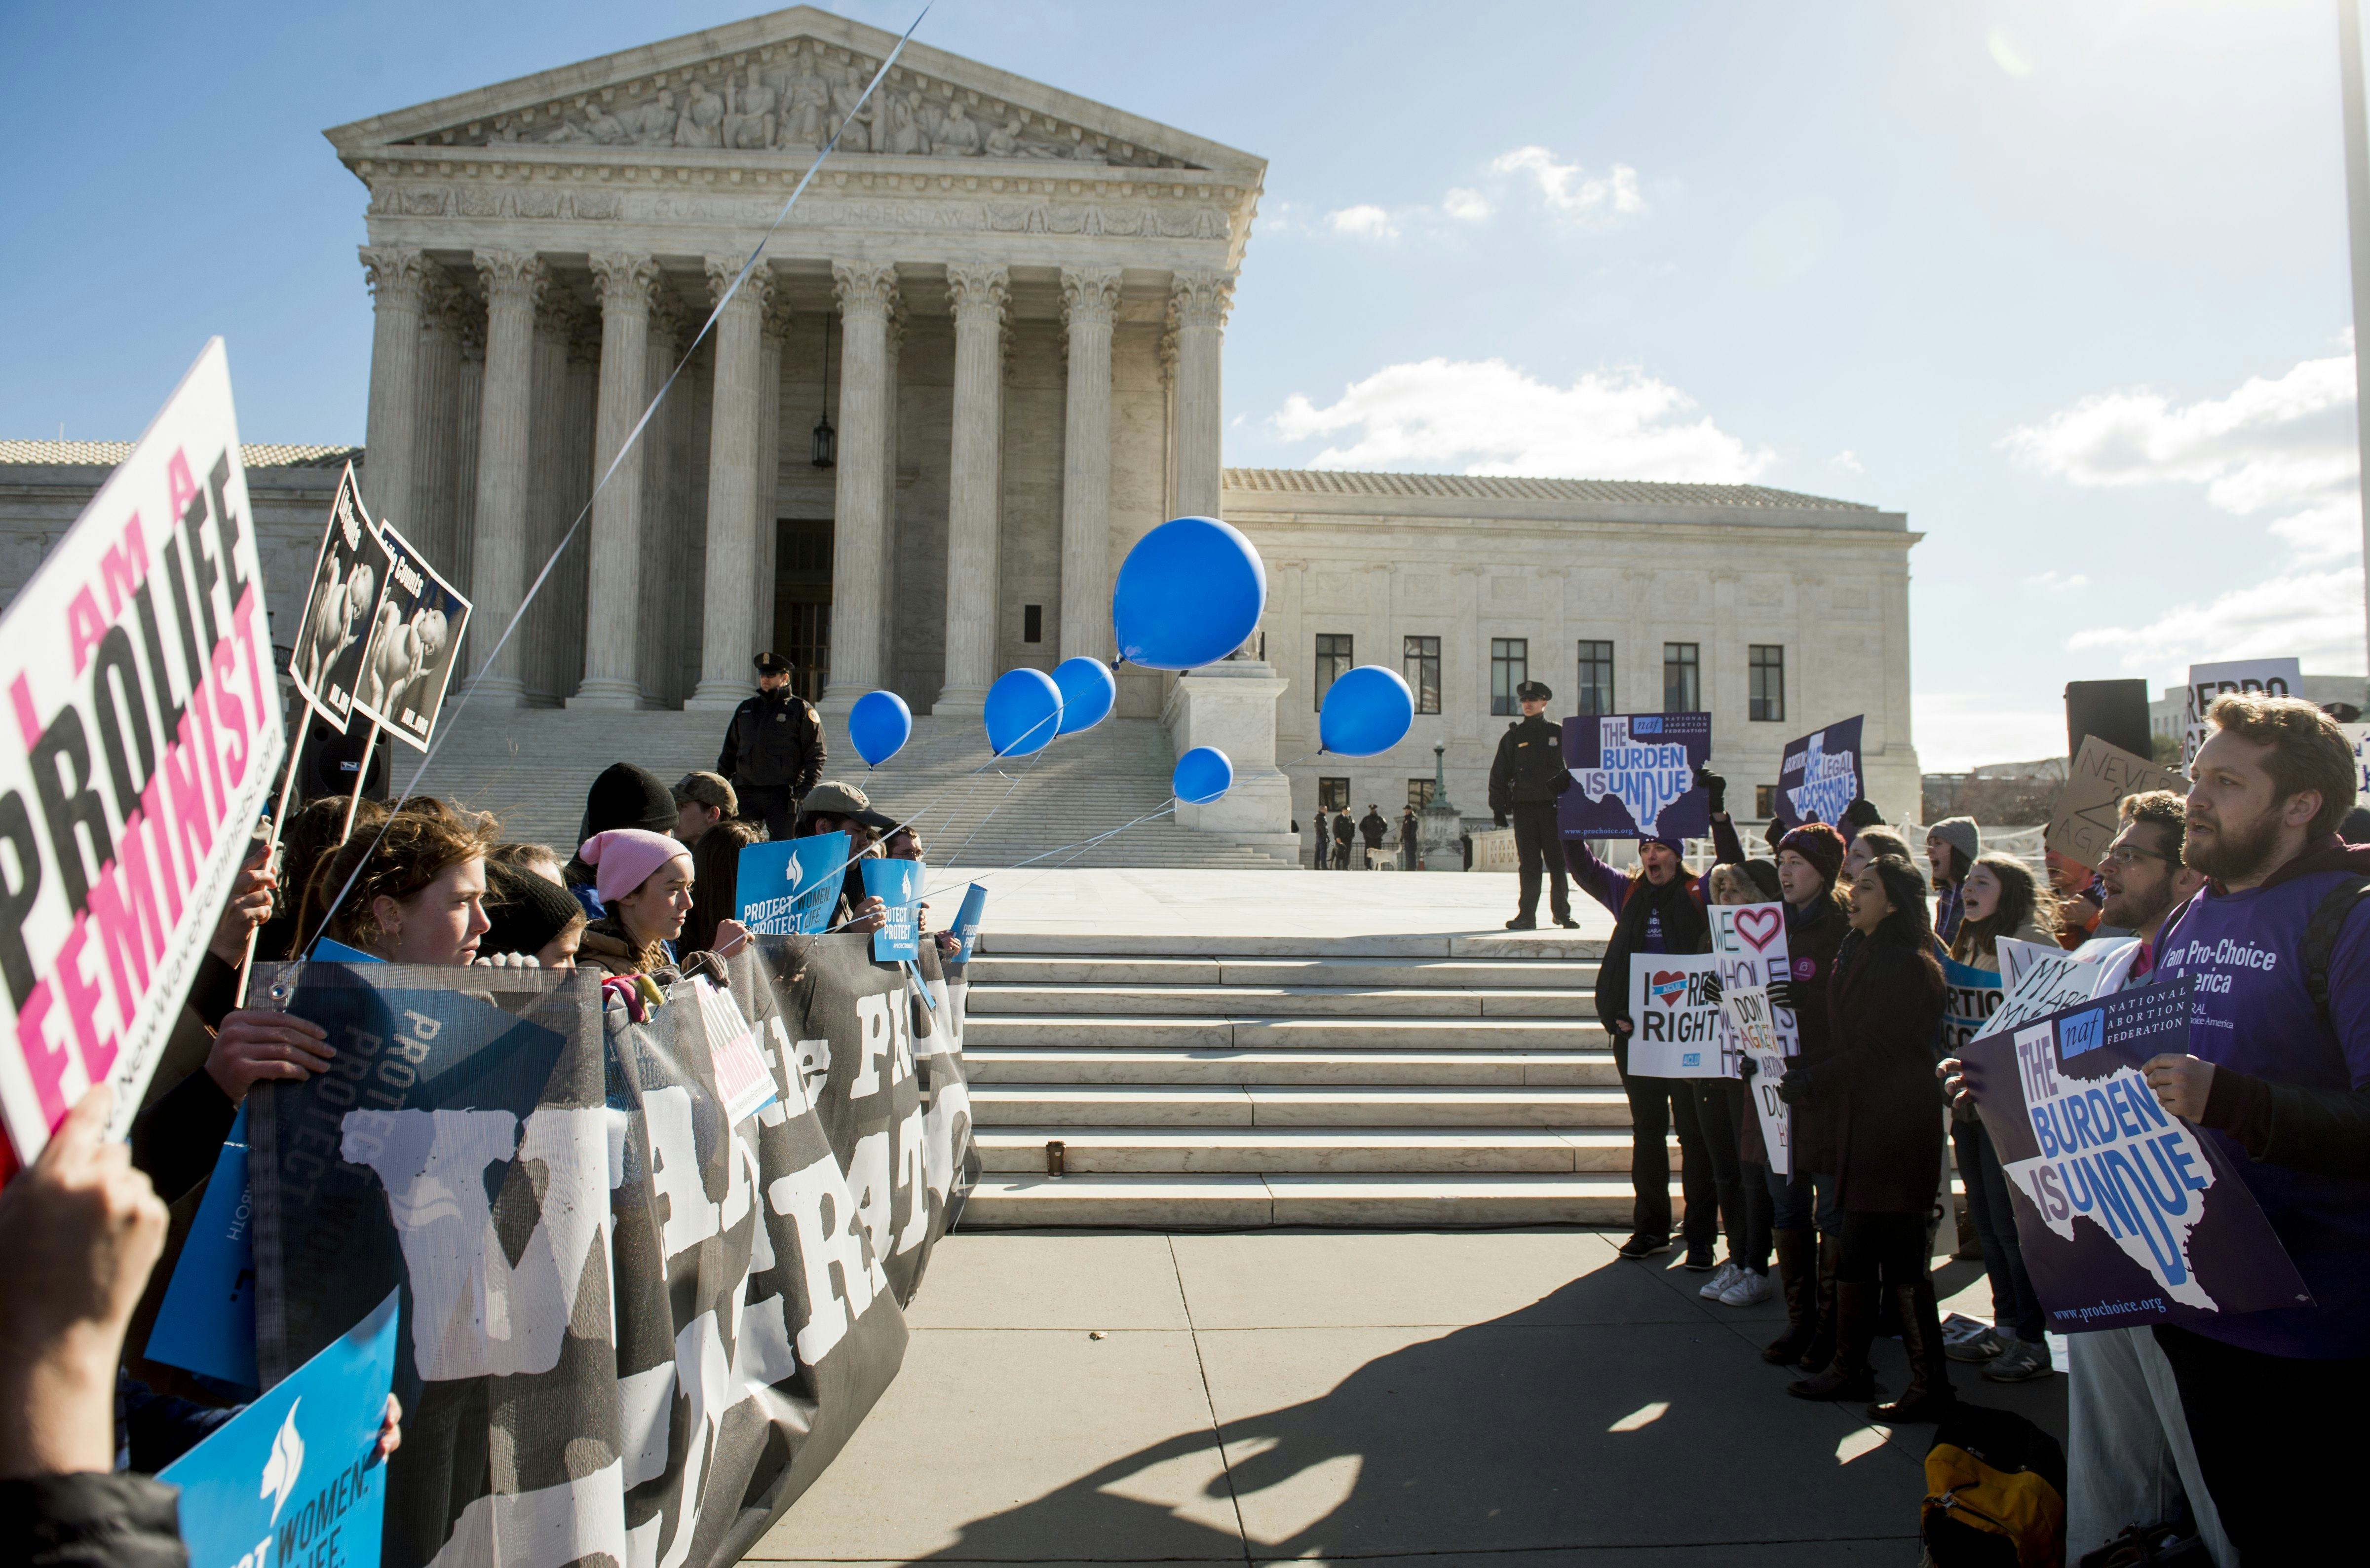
x=537 y=638
x=867 y=291
x=892 y=357
x=435 y=426
x=399 y=282
x=659 y=525
x=614 y=561
x=979 y=293
x=725 y=676
x=516 y=283
x=468 y=405
x=1089 y=300
x=776 y=335
x=1198 y=303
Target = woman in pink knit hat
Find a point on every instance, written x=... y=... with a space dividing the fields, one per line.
x=645 y=880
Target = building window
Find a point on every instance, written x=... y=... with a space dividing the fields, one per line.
x=1595 y=694
x=1769 y=681
x=1333 y=795
x=1423 y=655
x=1765 y=801
x=1509 y=666
x=1682 y=677
x=1032 y=623
x=1333 y=661
x=1418 y=793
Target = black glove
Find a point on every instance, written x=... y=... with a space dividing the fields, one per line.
x=1781 y=994
x=1712 y=990
x=1862 y=813
x=1499 y=818
x=1746 y=1067
x=1717 y=789
x=1794 y=1088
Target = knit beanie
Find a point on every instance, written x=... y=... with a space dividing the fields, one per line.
x=1763 y=874
x=1819 y=844
x=625 y=858
x=1959 y=832
x=527 y=911
x=628 y=796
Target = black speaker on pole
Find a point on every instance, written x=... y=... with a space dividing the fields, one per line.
x=2114 y=711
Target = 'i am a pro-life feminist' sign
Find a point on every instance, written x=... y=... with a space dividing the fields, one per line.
x=1820 y=774
x=1636 y=776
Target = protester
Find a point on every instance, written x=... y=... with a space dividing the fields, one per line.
x=1806 y=1226
x=1343 y=832
x=1723 y=1111
x=623 y=796
x=701 y=800
x=2077 y=896
x=1525 y=780
x=905 y=842
x=715 y=865
x=412 y=891
x=2001 y=898
x=1658 y=907
x=1951 y=846
x=1372 y=829
x=1878 y=1087
x=835 y=807
x=536 y=860
x=1865 y=848
x=773 y=750
x=645 y=882
x=314 y=830
x=531 y=919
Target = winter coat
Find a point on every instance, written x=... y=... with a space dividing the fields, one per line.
x=1528 y=769
x=1875 y=1087
x=93 y=1521
x=775 y=741
x=1373 y=826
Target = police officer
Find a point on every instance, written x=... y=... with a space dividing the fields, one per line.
x=773 y=749
x=1523 y=783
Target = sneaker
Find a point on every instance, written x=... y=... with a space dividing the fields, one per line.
x=1519 y=923
x=2019 y=1363
x=1725 y=1276
x=1752 y=1288
x=1644 y=1247
x=1699 y=1262
x=1965 y=1339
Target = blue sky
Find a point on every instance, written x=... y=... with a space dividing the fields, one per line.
x=2065 y=284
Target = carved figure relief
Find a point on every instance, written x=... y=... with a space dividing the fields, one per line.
x=848 y=104
x=701 y=121
x=749 y=113
x=958 y=136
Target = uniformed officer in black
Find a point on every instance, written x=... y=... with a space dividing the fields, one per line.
x=1523 y=783
x=773 y=749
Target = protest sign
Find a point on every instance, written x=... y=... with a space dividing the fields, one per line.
x=1749 y=941
x=144 y=738
x=2085 y=822
x=2265 y=677
x=415 y=643
x=1634 y=776
x=1970 y=997
x=1675 y=1030
x=2125 y=1215
x=743 y=1080
x=898 y=884
x=1820 y=774
x=790 y=885
x=295 y=1478
x=1752 y=1022
x=2358 y=736
x=332 y=635
x=2037 y=978
x=967 y=918
x=207 y=1322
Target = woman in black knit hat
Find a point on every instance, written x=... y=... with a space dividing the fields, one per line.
x=623 y=796
x=534 y=919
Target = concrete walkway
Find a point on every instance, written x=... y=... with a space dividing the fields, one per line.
x=1523 y=1397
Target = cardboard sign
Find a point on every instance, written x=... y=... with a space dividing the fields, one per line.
x=1752 y=1022
x=294 y=1478
x=415 y=644
x=2037 y=980
x=1675 y=1027
x=974 y=904
x=898 y=884
x=2125 y=1215
x=2266 y=677
x=1634 y=776
x=2085 y=822
x=334 y=631
x=142 y=745
x=743 y=1081
x=1820 y=774
x=207 y=1322
x=790 y=887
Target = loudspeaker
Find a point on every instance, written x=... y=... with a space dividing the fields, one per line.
x=2114 y=711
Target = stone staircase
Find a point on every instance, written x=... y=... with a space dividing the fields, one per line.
x=1382 y=1080
x=532 y=766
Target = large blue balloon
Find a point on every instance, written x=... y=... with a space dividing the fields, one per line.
x=1024 y=711
x=1366 y=711
x=878 y=727
x=1087 y=692
x=1203 y=774
x=1189 y=594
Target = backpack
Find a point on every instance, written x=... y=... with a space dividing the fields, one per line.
x=1994 y=1492
x=2320 y=934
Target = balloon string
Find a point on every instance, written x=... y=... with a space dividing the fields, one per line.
x=956 y=859
x=1081 y=847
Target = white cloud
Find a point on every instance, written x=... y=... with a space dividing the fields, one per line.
x=1364 y=222
x=1487 y=417
x=2316 y=616
x=1568 y=187
x=2057 y=582
x=1958 y=731
x=1466 y=205
x=1845 y=461
x=2008 y=54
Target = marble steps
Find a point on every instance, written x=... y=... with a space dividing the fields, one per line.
x=1561 y=949
x=1275 y=1105
x=1042 y=1066
x=1001 y=969
x=1020 y=1150
x=1248 y=1200
x=1340 y=1002
x=983 y=1026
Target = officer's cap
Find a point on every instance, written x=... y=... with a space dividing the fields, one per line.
x=1534 y=692
x=707 y=789
x=771 y=664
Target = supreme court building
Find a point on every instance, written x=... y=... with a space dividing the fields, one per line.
x=978 y=361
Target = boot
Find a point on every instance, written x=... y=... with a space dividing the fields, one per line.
x=1929 y=1394
x=1798 y=1269
x=1822 y=1339
x=1848 y=1377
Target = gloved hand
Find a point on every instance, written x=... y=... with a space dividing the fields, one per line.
x=1801 y=1082
x=1746 y=1067
x=1862 y=813
x=1712 y=989
x=1716 y=787
x=1782 y=994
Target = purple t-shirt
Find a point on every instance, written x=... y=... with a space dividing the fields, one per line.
x=2254 y=1014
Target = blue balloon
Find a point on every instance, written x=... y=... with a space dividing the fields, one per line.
x=1024 y=711
x=1189 y=594
x=1203 y=774
x=1366 y=711
x=879 y=726
x=1087 y=692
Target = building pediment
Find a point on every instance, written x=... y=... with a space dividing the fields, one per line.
x=775 y=87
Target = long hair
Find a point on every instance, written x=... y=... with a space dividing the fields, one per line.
x=2022 y=901
x=716 y=884
x=398 y=860
x=1908 y=926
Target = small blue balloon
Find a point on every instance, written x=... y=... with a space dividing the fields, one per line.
x=1087 y=692
x=1203 y=774
x=1189 y=594
x=1364 y=712
x=879 y=726
x=1024 y=711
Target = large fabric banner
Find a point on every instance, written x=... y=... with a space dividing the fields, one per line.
x=2125 y=1214
x=1635 y=776
x=142 y=734
x=1820 y=774
x=633 y=1327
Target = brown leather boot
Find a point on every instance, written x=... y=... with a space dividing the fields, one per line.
x=1929 y=1394
x=1822 y=1348
x=1847 y=1377
x=1798 y=1271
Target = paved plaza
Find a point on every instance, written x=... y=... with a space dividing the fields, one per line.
x=1523 y=1397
